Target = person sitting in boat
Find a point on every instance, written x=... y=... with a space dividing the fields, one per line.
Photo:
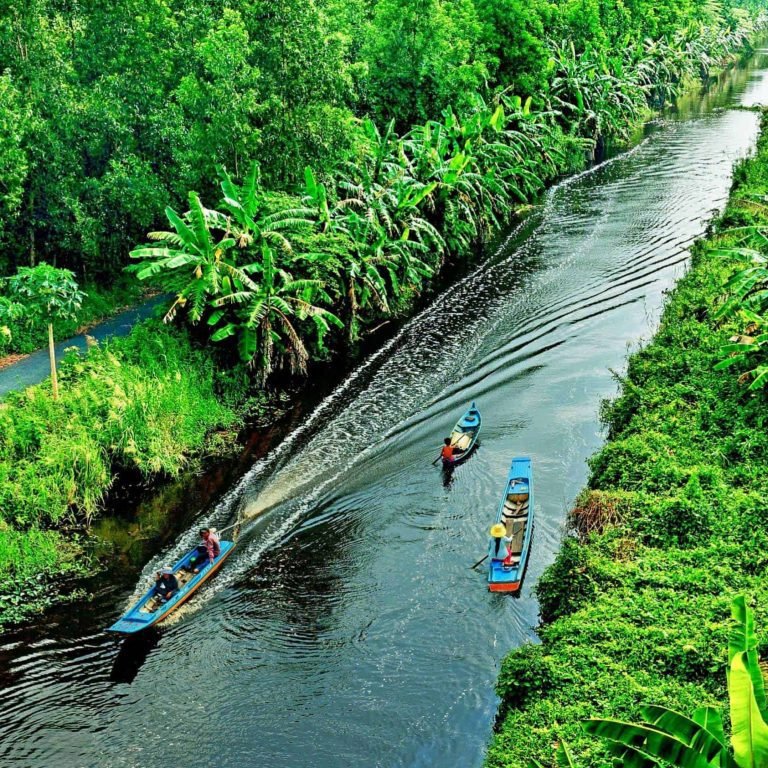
x=166 y=585
x=206 y=552
x=501 y=543
x=448 y=451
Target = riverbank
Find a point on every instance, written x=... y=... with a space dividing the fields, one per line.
x=79 y=494
x=142 y=405
x=671 y=526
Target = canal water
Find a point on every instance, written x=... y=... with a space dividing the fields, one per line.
x=348 y=628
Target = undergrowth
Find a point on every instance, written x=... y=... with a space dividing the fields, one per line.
x=145 y=403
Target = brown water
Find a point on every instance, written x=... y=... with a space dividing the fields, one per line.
x=348 y=628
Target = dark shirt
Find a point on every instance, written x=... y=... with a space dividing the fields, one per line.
x=166 y=585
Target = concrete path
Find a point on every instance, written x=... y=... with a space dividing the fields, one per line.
x=36 y=367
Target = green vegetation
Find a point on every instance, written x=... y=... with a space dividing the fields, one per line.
x=111 y=113
x=349 y=148
x=46 y=295
x=747 y=297
x=673 y=522
x=142 y=403
x=21 y=333
x=274 y=271
x=669 y=738
x=260 y=266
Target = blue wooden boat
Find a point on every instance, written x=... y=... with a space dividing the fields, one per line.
x=464 y=436
x=150 y=609
x=508 y=556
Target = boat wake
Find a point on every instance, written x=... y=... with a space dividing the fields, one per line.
x=497 y=324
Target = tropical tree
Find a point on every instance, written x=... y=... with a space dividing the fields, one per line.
x=199 y=260
x=191 y=261
x=596 y=91
x=747 y=301
x=49 y=295
x=392 y=248
x=251 y=216
x=236 y=267
x=267 y=310
x=749 y=351
x=479 y=168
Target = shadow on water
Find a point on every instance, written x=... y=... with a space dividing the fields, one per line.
x=133 y=652
x=447 y=472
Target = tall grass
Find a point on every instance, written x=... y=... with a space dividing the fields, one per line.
x=145 y=402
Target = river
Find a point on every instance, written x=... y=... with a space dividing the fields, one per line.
x=348 y=628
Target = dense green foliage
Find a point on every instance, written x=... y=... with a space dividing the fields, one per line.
x=142 y=403
x=747 y=293
x=669 y=738
x=674 y=521
x=260 y=266
x=274 y=271
x=112 y=111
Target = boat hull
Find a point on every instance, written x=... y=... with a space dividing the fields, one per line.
x=506 y=571
x=464 y=434
x=146 y=613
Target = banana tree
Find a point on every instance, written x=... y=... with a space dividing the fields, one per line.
x=666 y=737
x=747 y=299
x=599 y=92
x=378 y=210
x=269 y=317
x=479 y=167
x=192 y=261
x=245 y=212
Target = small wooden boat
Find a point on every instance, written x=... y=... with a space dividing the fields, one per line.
x=515 y=523
x=464 y=436
x=150 y=609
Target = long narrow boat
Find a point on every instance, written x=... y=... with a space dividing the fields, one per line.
x=464 y=436
x=514 y=523
x=150 y=609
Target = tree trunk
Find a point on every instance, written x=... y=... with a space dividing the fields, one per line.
x=32 y=250
x=52 y=354
x=352 y=301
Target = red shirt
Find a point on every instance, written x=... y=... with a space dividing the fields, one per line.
x=447 y=452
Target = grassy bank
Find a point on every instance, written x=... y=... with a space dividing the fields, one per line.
x=143 y=403
x=674 y=522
